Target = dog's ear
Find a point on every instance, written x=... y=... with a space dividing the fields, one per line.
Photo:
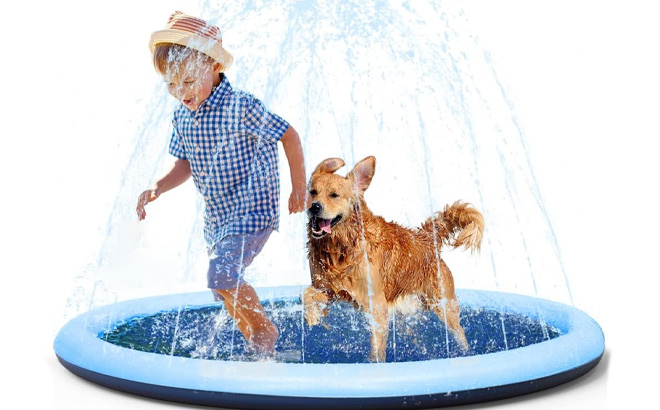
x=362 y=173
x=329 y=166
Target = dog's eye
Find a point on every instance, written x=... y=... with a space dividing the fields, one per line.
x=313 y=192
x=334 y=195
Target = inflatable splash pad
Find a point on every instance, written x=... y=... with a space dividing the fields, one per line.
x=185 y=348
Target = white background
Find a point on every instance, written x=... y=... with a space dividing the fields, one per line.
x=583 y=78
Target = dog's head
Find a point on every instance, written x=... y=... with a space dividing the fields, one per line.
x=334 y=197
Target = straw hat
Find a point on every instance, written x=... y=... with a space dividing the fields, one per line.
x=195 y=33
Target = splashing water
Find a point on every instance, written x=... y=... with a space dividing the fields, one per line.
x=193 y=332
x=403 y=81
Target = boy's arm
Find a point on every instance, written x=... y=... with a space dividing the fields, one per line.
x=177 y=175
x=298 y=200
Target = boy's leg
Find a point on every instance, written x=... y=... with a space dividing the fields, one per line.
x=229 y=258
x=240 y=321
x=246 y=309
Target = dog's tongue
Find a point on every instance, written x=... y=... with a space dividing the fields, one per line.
x=324 y=224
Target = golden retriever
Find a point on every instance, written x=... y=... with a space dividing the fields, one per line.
x=357 y=256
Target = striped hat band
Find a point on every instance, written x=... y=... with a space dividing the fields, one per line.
x=195 y=33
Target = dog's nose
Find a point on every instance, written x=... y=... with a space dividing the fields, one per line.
x=316 y=208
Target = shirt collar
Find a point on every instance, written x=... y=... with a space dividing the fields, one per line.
x=219 y=93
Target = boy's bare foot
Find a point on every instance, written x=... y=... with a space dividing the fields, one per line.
x=264 y=338
x=244 y=307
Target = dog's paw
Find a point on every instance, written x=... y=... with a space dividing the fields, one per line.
x=377 y=356
x=463 y=343
x=314 y=312
x=315 y=305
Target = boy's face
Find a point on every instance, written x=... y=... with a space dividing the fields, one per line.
x=192 y=80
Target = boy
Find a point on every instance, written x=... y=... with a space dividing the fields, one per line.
x=227 y=141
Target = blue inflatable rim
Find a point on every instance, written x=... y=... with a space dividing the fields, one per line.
x=430 y=383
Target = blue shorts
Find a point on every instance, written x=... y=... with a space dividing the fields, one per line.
x=230 y=256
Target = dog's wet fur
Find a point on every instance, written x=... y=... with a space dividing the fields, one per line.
x=359 y=257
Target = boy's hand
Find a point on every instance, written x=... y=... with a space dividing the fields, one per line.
x=299 y=200
x=144 y=198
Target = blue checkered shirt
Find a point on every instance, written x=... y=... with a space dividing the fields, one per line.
x=231 y=144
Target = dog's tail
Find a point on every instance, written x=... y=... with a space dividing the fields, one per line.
x=457 y=225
